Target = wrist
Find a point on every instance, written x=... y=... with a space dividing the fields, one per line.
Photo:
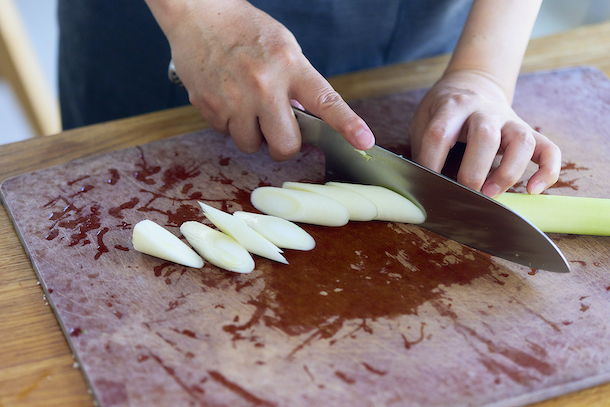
x=479 y=81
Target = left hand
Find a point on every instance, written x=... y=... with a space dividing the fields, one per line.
x=470 y=107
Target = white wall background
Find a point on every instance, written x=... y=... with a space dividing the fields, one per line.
x=39 y=17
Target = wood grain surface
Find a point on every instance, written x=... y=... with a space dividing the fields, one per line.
x=36 y=366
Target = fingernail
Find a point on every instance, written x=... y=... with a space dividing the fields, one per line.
x=296 y=104
x=491 y=190
x=537 y=188
x=365 y=138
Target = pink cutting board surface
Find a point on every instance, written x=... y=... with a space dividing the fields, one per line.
x=377 y=314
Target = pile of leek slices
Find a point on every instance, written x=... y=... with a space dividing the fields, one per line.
x=238 y=235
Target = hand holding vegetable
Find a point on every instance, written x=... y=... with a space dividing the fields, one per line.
x=471 y=103
x=471 y=108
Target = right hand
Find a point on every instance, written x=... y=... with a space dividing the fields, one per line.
x=242 y=68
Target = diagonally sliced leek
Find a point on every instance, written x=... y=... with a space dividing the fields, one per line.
x=280 y=232
x=360 y=208
x=561 y=214
x=218 y=248
x=391 y=206
x=154 y=240
x=299 y=206
x=246 y=236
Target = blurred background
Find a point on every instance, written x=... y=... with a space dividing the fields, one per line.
x=37 y=18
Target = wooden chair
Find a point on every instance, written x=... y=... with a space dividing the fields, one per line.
x=19 y=65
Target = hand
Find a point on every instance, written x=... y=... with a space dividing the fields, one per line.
x=469 y=107
x=242 y=68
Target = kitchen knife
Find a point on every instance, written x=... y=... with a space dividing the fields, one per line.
x=452 y=210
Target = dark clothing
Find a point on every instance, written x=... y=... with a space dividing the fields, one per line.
x=113 y=56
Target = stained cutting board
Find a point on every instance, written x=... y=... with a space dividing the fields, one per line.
x=377 y=314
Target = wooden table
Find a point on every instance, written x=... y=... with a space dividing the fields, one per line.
x=36 y=364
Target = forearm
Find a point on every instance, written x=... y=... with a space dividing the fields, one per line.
x=196 y=15
x=494 y=40
x=168 y=13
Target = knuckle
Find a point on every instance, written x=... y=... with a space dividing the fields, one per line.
x=507 y=176
x=554 y=169
x=287 y=56
x=284 y=151
x=412 y=130
x=437 y=134
x=522 y=137
x=247 y=147
x=198 y=102
x=486 y=132
x=484 y=129
x=215 y=121
x=455 y=97
x=217 y=124
x=526 y=140
x=259 y=81
x=263 y=78
x=555 y=151
x=328 y=99
x=246 y=136
x=553 y=176
x=247 y=143
x=472 y=180
x=208 y=106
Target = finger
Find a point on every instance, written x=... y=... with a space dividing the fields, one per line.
x=212 y=111
x=548 y=157
x=281 y=130
x=438 y=137
x=482 y=144
x=518 y=144
x=246 y=133
x=417 y=128
x=318 y=97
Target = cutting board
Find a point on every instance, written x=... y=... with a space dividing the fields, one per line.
x=377 y=314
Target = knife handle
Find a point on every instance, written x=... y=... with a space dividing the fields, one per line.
x=310 y=126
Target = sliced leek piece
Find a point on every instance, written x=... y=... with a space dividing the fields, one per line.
x=281 y=232
x=218 y=248
x=360 y=208
x=246 y=236
x=299 y=206
x=152 y=239
x=391 y=206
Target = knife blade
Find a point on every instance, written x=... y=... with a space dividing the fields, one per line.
x=452 y=210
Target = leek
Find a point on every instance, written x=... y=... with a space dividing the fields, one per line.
x=561 y=214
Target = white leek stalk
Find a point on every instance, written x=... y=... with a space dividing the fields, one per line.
x=299 y=206
x=360 y=208
x=561 y=214
x=218 y=248
x=281 y=232
x=154 y=240
x=391 y=206
x=246 y=236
